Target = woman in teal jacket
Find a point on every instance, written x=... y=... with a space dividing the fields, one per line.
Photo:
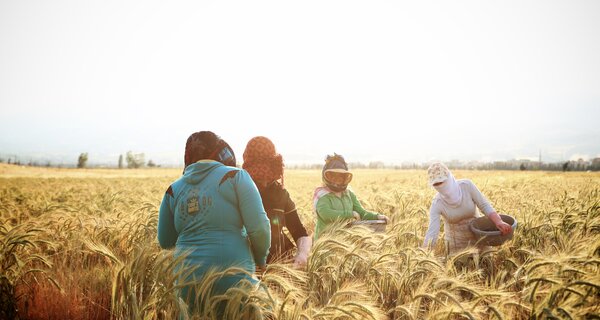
x=214 y=214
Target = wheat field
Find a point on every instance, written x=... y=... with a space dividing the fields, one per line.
x=81 y=244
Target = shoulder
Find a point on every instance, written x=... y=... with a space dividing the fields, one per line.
x=324 y=195
x=349 y=193
x=176 y=186
x=321 y=192
x=324 y=198
x=276 y=192
x=277 y=189
x=437 y=206
x=437 y=200
x=227 y=169
x=465 y=183
x=226 y=173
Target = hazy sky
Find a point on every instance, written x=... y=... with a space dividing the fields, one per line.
x=373 y=80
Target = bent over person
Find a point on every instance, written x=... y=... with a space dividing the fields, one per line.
x=456 y=202
x=265 y=166
x=214 y=215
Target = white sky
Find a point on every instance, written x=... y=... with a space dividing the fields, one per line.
x=373 y=80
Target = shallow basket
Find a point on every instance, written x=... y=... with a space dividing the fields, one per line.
x=486 y=232
x=375 y=225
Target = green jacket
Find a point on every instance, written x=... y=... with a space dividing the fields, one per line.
x=331 y=208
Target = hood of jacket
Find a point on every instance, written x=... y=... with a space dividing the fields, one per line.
x=198 y=171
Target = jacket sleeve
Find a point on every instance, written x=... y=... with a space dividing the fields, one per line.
x=356 y=206
x=480 y=200
x=328 y=214
x=434 y=226
x=254 y=217
x=167 y=235
x=292 y=220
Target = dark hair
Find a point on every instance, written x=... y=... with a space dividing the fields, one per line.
x=200 y=145
x=207 y=145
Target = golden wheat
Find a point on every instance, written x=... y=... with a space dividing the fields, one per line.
x=87 y=238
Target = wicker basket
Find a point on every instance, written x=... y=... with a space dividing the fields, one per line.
x=486 y=232
x=375 y=225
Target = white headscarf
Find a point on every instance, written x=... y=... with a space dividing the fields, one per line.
x=449 y=190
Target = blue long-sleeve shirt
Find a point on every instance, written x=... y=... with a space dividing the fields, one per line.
x=214 y=213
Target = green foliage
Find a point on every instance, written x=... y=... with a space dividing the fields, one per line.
x=82 y=160
x=135 y=161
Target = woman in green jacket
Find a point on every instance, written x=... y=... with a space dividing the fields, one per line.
x=334 y=201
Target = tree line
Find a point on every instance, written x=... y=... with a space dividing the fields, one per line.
x=131 y=160
x=134 y=161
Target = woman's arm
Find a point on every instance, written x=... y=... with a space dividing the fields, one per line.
x=254 y=217
x=292 y=220
x=364 y=214
x=298 y=232
x=434 y=227
x=294 y=225
x=167 y=235
x=480 y=200
x=484 y=205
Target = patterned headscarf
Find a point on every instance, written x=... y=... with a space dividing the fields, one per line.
x=261 y=160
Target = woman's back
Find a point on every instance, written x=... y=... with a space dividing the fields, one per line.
x=213 y=217
x=208 y=216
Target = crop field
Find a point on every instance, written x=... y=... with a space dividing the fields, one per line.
x=81 y=244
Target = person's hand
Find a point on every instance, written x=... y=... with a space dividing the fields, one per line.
x=356 y=215
x=300 y=260
x=501 y=225
x=504 y=227
x=304 y=244
x=383 y=217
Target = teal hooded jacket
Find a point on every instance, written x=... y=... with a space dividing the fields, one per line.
x=215 y=215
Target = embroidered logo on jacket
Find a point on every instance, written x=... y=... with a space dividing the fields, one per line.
x=193 y=206
x=196 y=202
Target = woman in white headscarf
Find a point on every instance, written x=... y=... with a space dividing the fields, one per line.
x=456 y=202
